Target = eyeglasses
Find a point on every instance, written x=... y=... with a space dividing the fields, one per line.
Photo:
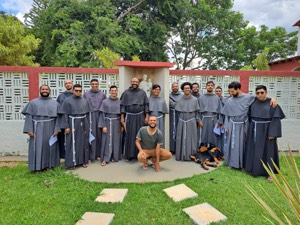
x=260 y=92
x=78 y=90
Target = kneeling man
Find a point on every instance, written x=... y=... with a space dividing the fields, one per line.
x=148 y=141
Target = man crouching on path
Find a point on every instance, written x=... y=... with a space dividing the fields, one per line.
x=148 y=141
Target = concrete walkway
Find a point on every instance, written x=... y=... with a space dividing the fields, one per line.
x=132 y=172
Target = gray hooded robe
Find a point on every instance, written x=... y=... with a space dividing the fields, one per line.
x=95 y=99
x=173 y=98
x=235 y=113
x=186 y=135
x=135 y=105
x=41 y=119
x=265 y=122
x=111 y=143
x=75 y=112
x=210 y=109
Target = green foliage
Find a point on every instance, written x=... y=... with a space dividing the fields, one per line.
x=261 y=62
x=107 y=57
x=16 y=45
x=247 y=68
x=210 y=35
x=288 y=186
x=136 y=58
x=194 y=34
x=58 y=197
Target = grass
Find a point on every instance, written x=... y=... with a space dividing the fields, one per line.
x=56 y=197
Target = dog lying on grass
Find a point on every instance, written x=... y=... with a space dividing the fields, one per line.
x=207 y=155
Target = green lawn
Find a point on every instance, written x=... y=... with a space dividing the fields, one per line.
x=56 y=197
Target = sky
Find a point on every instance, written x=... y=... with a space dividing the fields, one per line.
x=272 y=13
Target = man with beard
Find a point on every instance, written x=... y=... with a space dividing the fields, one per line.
x=134 y=114
x=173 y=98
x=67 y=93
x=236 y=123
x=75 y=110
x=42 y=126
x=148 y=141
x=210 y=109
x=195 y=90
x=94 y=97
x=187 y=108
x=109 y=121
x=264 y=129
x=60 y=99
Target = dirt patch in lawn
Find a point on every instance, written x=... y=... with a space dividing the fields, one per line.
x=8 y=164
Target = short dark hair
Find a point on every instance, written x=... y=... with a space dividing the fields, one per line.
x=156 y=86
x=94 y=80
x=45 y=85
x=210 y=82
x=113 y=86
x=261 y=87
x=184 y=84
x=77 y=86
x=235 y=84
x=195 y=83
x=218 y=87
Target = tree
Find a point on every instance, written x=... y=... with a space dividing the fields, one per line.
x=260 y=62
x=15 y=45
x=72 y=30
x=205 y=32
x=107 y=57
x=209 y=35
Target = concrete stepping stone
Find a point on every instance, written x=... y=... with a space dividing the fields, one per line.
x=112 y=195
x=180 y=192
x=204 y=213
x=92 y=218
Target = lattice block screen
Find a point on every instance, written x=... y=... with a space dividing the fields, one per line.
x=56 y=81
x=221 y=81
x=286 y=90
x=13 y=94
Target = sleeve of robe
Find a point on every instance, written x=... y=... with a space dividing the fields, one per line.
x=101 y=122
x=275 y=124
x=275 y=128
x=64 y=122
x=58 y=123
x=28 y=125
x=198 y=113
x=172 y=103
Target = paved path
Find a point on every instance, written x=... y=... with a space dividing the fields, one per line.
x=127 y=172
x=130 y=172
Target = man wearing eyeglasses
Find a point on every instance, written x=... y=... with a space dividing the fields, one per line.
x=236 y=123
x=75 y=110
x=264 y=129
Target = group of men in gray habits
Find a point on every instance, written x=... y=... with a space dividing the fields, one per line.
x=92 y=126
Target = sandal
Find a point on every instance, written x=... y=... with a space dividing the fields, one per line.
x=84 y=166
x=103 y=163
x=145 y=167
x=270 y=179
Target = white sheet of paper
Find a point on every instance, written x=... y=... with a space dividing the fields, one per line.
x=217 y=130
x=52 y=140
x=91 y=137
